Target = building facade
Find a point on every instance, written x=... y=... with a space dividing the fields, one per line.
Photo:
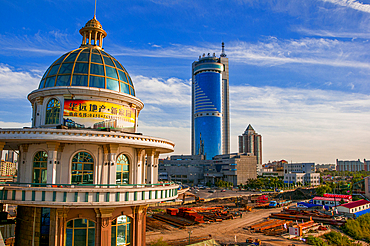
x=193 y=170
x=303 y=173
x=187 y=169
x=236 y=168
x=357 y=208
x=85 y=176
x=250 y=143
x=353 y=166
x=210 y=106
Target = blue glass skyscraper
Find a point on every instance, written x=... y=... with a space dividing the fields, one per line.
x=210 y=105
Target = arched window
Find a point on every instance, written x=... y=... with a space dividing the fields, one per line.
x=82 y=168
x=122 y=171
x=40 y=162
x=121 y=231
x=80 y=232
x=52 y=112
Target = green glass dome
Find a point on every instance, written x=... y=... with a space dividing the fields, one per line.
x=88 y=66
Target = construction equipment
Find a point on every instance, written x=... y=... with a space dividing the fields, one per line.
x=198 y=199
x=247 y=208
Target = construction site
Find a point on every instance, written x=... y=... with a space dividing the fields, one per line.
x=250 y=219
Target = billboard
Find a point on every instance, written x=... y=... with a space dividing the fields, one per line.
x=97 y=114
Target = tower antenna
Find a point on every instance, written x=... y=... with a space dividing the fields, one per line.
x=223 y=50
x=95 y=10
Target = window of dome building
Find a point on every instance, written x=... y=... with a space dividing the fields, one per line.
x=40 y=162
x=52 y=112
x=122 y=171
x=82 y=168
x=80 y=232
x=121 y=231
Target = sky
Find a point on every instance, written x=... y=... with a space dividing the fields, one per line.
x=299 y=70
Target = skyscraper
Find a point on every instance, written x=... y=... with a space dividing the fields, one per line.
x=250 y=142
x=210 y=105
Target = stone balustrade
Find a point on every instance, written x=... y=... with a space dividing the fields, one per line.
x=86 y=195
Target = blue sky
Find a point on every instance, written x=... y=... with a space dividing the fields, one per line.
x=299 y=70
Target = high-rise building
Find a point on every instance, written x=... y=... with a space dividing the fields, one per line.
x=250 y=142
x=85 y=175
x=210 y=106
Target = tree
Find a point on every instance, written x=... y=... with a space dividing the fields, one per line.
x=322 y=189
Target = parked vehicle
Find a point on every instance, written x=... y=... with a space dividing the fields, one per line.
x=274 y=204
x=301 y=206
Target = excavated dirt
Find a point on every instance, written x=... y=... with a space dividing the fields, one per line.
x=226 y=231
x=223 y=232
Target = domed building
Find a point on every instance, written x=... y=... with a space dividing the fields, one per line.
x=85 y=176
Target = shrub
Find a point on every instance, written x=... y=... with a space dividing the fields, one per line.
x=358 y=228
x=336 y=238
x=159 y=242
x=311 y=240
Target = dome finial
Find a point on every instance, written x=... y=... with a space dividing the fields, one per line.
x=93 y=33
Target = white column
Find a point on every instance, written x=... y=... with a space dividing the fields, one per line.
x=112 y=163
x=105 y=168
x=155 y=168
x=150 y=166
x=137 y=168
x=52 y=162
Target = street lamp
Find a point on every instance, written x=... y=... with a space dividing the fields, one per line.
x=190 y=232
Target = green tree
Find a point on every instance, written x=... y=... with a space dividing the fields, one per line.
x=322 y=189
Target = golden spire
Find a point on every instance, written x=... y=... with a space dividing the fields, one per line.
x=93 y=33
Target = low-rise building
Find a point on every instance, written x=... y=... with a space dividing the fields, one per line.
x=357 y=208
x=329 y=201
x=353 y=166
x=325 y=167
x=187 y=169
x=299 y=168
x=236 y=168
x=195 y=169
x=303 y=173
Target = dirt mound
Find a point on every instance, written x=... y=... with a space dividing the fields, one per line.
x=298 y=194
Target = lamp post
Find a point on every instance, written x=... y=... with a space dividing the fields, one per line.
x=190 y=232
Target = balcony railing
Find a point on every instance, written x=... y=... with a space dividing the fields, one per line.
x=86 y=195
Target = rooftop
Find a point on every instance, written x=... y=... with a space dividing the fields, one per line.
x=355 y=204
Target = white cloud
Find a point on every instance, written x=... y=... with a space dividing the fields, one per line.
x=295 y=124
x=17 y=84
x=4 y=124
x=351 y=4
x=270 y=51
x=157 y=91
x=51 y=43
x=320 y=51
x=302 y=125
x=333 y=34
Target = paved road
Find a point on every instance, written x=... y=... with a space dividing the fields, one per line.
x=218 y=194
